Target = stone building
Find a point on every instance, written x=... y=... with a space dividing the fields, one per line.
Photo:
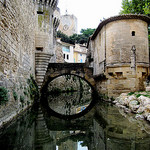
x=68 y=24
x=119 y=54
x=64 y=52
x=80 y=52
x=27 y=45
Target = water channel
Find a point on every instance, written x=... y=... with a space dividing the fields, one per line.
x=74 y=119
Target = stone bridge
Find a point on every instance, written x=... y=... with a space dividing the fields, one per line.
x=57 y=69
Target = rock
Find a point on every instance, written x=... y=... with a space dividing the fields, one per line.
x=134 y=105
x=140 y=110
x=114 y=102
x=144 y=100
x=147 y=110
x=139 y=117
x=148 y=117
x=122 y=99
x=127 y=110
x=132 y=97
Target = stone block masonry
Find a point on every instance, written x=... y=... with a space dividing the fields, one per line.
x=119 y=49
x=17 y=52
x=21 y=23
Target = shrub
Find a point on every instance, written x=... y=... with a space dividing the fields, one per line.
x=131 y=93
x=22 y=99
x=15 y=95
x=3 y=95
x=33 y=88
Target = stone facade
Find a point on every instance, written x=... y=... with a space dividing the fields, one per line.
x=120 y=52
x=45 y=37
x=80 y=52
x=68 y=24
x=26 y=29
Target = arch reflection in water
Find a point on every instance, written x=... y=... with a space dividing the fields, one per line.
x=69 y=95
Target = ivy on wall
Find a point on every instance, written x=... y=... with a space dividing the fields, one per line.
x=33 y=88
x=3 y=95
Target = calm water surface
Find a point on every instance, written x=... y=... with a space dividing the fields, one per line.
x=70 y=121
x=102 y=128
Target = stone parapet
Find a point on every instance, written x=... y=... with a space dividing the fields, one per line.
x=51 y=3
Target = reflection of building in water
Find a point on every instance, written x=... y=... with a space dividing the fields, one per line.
x=68 y=145
x=43 y=140
x=72 y=93
x=67 y=103
x=81 y=108
x=113 y=131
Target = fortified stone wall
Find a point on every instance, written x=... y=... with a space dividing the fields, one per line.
x=27 y=27
x=45 y=38
x=17 y=52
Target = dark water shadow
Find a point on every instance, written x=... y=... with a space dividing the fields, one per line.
x=74 y=99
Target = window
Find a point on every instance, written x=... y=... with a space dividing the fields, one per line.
x=110 y=73
x=4 y=3
x=133 y=33
x=39 y=48
x=67 y=56
x=119 y=74
x=65 y=49
x=39 y=12
x=40 y=9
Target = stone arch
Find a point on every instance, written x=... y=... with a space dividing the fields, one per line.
x=78 y=69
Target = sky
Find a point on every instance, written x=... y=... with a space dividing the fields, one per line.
x=90 y=12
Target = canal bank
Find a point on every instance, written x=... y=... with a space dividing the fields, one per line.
x=137 y=103
x=15 y=101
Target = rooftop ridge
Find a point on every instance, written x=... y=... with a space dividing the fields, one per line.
x=119 y=17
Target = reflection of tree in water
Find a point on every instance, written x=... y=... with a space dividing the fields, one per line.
x=67 y=93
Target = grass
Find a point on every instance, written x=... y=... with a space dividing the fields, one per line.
x=140 y=93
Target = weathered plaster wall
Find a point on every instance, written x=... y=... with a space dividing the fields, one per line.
x=100 y=52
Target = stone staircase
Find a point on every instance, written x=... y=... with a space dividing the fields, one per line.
x=41 y=64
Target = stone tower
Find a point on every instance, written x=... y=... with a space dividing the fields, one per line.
x=120 y=53
x=45 y=40
x=68 y=24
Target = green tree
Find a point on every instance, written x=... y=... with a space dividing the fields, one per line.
x=64 y=37
x=76 y=38
x=136 y=7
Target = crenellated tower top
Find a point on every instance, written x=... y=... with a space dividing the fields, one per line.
x=51 y=3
